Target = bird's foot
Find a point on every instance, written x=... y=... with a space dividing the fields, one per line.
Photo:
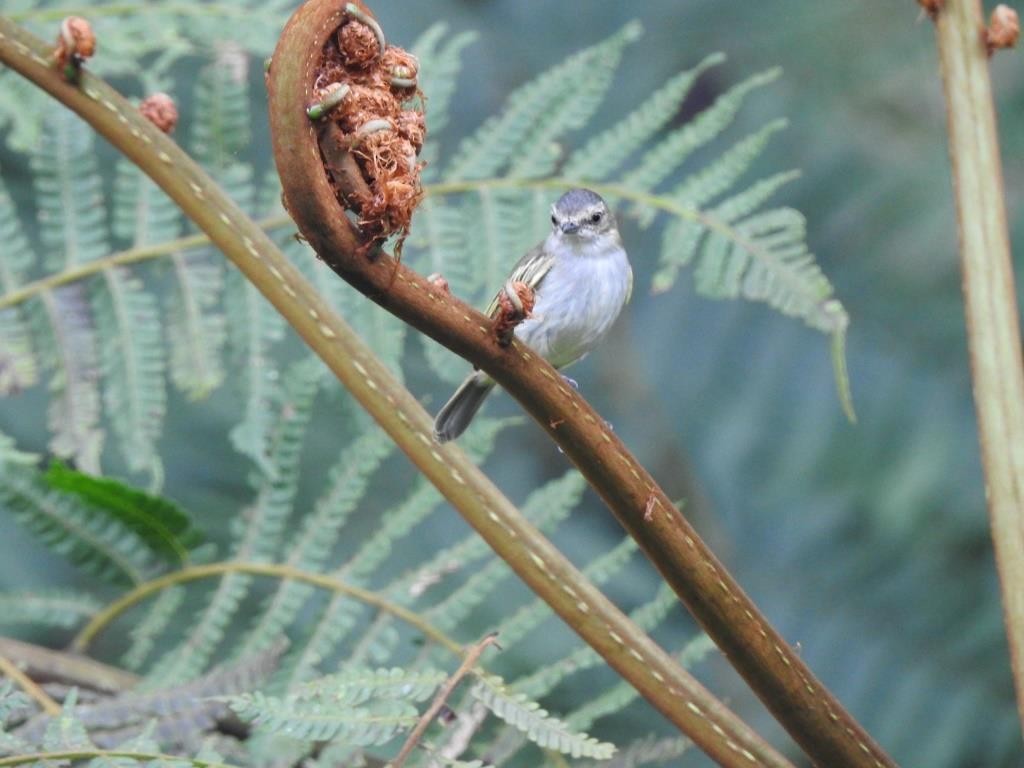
x=571 y=382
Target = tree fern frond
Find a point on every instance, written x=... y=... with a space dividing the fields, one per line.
x=377 y=644
x=333 y=623
x=222 y=128
x=497 y=231
x=438 y=53
x=52 y=608
x=439 y=244
x=652 y=613
x=543 y=680
x=463 y=553
x=620 y=695
x=65 y=731
x=18 y=367
x=769 y=262
x=142 y=214
x=648 y=751
x=659 y=162
x=12 y=701
x=254 y=327
x=11 y=456
x=381 y=330
x=529 y=616
x=197 y=327
x=276 y=490
x=717 y=177
x=176 y=715
x=347 y=483
x=439 y=759
x=182 y=699
x=339 y=617
x=534 y=721
x=86 y=535
x=394 y=524
x=577 y=103
x=144 y=44
x=355 y=686
x=602 y=155
x=12 y=745
x=258 y=531
x=18 y=364
x=65 y=336
x=753 y=197
x=480 y=585
x=683 y=237
x=440 y=232
x=69 y=193
x=504 y=136
x=145 y=633
x=335 y=754
x=375 y=723
x=192 y=655
x=545 y=508
x=132 y=359
x=143 y=741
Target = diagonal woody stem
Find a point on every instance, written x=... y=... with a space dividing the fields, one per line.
x=990 y=302
x=627 y=649
x=786 y=685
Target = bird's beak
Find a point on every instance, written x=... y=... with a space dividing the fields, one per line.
x=569 y=228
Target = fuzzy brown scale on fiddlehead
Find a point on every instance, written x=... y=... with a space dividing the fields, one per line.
x=368 y=90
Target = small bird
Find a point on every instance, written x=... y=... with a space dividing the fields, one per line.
x=581 y=279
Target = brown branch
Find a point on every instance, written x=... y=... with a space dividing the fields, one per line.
x=783 y=681
x=49 y=666
x=990 y=302
x=445 y=691
x=626 y=648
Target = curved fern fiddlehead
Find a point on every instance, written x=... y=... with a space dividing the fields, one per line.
x=532 y=557
x=763 y=657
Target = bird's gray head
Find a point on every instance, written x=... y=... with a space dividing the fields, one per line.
x=582 y=214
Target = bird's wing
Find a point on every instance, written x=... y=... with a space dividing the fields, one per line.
x=531 y=269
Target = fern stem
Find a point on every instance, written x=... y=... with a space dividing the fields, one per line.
x=287 y=572
x=109 y=754
x=28 y=685
x=538 y=563
x=119 y=259
x=990 y=302
x=776 y=673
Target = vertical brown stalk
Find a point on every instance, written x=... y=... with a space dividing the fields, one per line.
x=990 y=299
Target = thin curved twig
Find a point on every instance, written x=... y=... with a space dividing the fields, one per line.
x=194 y=573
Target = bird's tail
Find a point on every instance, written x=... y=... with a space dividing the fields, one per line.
x=453 y=419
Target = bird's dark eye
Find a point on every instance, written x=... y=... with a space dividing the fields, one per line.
x=554 y=220
x=596 y=217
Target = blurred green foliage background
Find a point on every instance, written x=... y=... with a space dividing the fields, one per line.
x=866 y=545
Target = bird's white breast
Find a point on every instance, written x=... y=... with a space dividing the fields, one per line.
x=579 y=299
